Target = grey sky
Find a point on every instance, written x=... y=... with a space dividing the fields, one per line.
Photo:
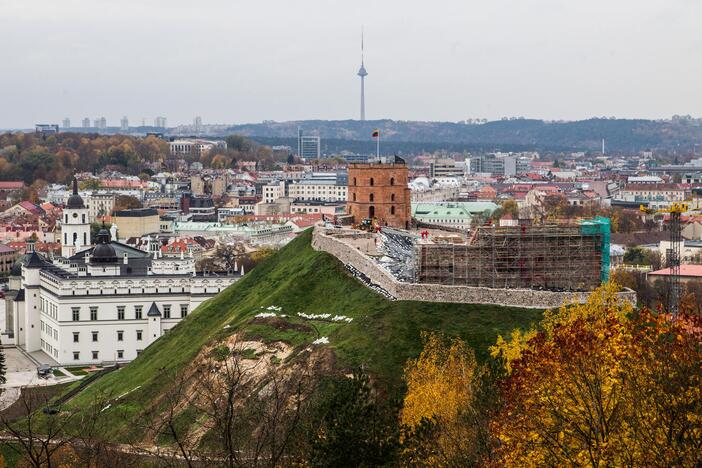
x=245 y=61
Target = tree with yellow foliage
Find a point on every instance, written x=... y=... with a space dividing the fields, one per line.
x=602 y=384
x=438 y=413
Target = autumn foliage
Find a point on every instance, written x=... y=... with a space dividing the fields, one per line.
x=602 y=385
x=446 y=411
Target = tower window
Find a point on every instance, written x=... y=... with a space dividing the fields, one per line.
x=354 y=181
x=392 y=181
x=354 y=197
x=392 y=210
x=392 y=197
x=372 y=182
x=371 y=197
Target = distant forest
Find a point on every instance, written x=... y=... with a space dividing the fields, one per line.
x=681 y=135
x=38 y=159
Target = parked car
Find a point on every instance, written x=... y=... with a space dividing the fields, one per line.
x=44 y=371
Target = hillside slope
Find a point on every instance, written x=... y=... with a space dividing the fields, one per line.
x=529 y=134
x=381 y=334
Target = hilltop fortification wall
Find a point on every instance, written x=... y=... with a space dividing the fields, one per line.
x=335 y=243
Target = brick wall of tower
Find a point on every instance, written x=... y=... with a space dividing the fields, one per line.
x=380 y=191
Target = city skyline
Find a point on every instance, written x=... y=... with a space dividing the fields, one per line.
x=546 y=60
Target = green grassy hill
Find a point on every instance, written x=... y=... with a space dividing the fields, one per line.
x=381 y=336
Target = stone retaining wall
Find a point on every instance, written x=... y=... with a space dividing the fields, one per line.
x=527 y=298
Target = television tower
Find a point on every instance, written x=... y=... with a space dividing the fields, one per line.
x=362 y=73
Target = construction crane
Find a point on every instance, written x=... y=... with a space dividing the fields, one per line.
x=672 y=254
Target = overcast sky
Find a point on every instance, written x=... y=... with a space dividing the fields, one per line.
x=245 y=61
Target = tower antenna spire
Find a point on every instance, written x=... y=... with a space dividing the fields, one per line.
x=362 y=73
x=361 y=45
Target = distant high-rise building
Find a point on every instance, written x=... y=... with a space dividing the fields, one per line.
x=124 y=124
x=362 y=73
x=66 y=123
x=308 y=147
x=86 y=123
x=100 y=123
x=160 y=122
x=197 y=123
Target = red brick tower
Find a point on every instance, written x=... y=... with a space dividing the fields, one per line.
x=380 y=191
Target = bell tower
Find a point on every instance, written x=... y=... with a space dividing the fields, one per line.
x=75 y=226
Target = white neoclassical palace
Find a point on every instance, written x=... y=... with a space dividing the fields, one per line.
x=104 y=303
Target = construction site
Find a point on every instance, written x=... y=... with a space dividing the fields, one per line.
x=550 y=257
x=538 y=266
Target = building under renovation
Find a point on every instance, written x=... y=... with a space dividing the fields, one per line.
x=553 y=257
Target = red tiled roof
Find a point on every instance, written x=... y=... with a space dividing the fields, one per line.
x=548 y=188
x=31 y=207
x=11 y=185
x=121 y=183
x=685 y=270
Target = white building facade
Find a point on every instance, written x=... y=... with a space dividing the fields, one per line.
x=106 y=303
x=329 y=187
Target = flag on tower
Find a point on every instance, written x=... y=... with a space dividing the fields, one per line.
x=376 y=133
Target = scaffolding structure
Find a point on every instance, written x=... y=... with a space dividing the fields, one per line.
x=552 y=257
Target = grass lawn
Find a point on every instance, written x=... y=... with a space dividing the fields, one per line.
x=77 y=370
x=381 y=336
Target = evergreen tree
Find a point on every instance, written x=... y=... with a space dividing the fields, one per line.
x=3 y=367
x=354 y=427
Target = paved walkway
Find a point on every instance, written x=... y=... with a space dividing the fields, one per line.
x=8 y=396
x=22 y=372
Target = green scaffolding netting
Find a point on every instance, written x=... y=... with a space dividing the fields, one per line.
x=602 y=226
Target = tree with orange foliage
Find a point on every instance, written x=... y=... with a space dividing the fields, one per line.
x=603 y=384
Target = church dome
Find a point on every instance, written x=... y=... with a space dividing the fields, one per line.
x=75 y=201
x=103 y=251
